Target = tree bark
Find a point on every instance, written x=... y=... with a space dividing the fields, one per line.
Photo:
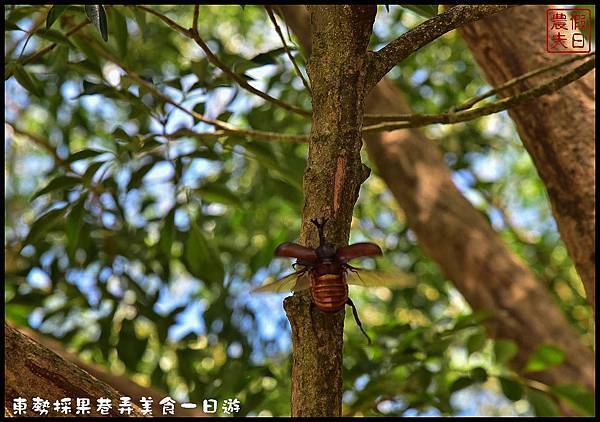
x=462 y=242
x=32 y=370
x=118 y=382
x=332 y=181
x=557 y=130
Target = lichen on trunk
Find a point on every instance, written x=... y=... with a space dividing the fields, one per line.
x=332 y=180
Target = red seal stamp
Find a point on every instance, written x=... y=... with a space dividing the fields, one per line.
x=568 y=30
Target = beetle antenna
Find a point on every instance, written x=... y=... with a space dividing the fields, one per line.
x=321 y=228
x=357 y=319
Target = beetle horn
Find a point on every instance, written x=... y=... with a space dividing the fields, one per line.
x=320 y=227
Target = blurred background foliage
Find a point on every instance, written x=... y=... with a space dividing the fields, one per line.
x=135 y=243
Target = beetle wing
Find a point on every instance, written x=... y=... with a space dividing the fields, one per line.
x=293 y=250
x=296 y=281
x=368 y=278
x=358 y=250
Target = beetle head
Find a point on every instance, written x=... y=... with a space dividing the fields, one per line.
x=325 y=250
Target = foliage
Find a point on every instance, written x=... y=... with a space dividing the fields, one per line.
x=134 y=240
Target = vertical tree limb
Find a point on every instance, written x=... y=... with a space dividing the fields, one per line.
x=332 y=181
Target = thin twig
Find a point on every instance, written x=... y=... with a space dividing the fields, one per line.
x=470 y=103
x=285 y=46
x=193 y=34
x=195 y=18
x=37 y=140
x=378 y=118
x=418 y=120
x=229 y=128
x=36 y=24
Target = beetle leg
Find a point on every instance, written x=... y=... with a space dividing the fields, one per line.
x=354 y=270
x=357 y=319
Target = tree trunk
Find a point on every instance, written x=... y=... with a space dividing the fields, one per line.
x=31 y=370
x=462 y=242
x=557 y=130
x=332 y=181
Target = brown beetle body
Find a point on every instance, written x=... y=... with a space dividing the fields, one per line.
x=328 y=287
x=326 y=273
x=327 y=269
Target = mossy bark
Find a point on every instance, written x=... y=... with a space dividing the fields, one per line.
x=31 y=370
x=332 y=180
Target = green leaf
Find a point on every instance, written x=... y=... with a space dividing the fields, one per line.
x=140 y=19
x=26 y=80
x=201 y=70
x=269 y=56
x=73 y=225
x=472 y=319
x=460 y=383
x=479 y=374
x=544 y=357
x=581 y=399
x=84 y=153
x=200 y=108
x=18 y=314
x=91 y=171
x=90 y=54
x=138 y=175
x=54 y=13
x=542 y=404
x=90 y=88
x=130 y=348
x=167 y=234
x=513 y=390
x=97 y=15
x=59 y=182
x=54 y=36
x=264 y=154
x=476 y=342
x=218 y=193
x=59 y=58
x=44 y=223
x=202 y=256
x=504 y=350
x=11 y=26
x=149 y=145
x=427 y=11
x=119 y=23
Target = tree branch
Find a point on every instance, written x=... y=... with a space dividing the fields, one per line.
x=285 y=46
x=384 y=60
x=470 y=103
x=226 y=127
x=119 y=382
x=193 y=34
x=417 y=120
x=32 y=370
